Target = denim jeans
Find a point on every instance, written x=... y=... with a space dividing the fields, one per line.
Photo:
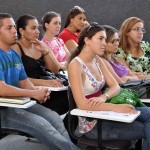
x=41 y=123
x=139 y=129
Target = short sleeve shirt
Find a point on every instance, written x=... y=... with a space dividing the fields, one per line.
x=11 y=68
x=57 y=46
x=67 y=35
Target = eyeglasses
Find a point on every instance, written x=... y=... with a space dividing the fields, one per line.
x=139 y=30
x=115 y=41
x=92 y=24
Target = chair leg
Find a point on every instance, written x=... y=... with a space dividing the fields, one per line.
x=90 y=148
x=138 y=145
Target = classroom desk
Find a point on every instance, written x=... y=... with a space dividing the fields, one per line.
x=106 y=115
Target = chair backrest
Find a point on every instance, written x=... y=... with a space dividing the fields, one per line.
x=72 y=120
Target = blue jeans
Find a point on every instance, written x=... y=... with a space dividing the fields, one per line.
x=139 y=129
x=41 y=123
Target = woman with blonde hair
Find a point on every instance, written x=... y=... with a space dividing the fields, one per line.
x=133 y=51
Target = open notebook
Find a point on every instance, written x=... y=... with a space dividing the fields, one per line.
x=106 y=115
x=14 y=100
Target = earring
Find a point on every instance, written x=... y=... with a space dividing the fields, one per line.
x=22 y=36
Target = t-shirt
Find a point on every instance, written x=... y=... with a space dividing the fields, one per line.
x=57 y=46
x=11 y=68
x=140 y=64
x=120 y=69
x=67 y=35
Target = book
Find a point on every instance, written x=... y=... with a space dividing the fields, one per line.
x=63 y=88
x=106 y=115
x=14 y=100
x=24 y=106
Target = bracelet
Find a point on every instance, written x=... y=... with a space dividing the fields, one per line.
x=107 y=96
x=46 y=53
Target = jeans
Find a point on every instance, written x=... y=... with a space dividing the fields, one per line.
x=41 y=123
x=139 y=129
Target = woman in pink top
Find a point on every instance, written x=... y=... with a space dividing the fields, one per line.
x=75 y=22
x=51 y=23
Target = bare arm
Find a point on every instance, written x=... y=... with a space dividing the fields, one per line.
x=67 y=52
x=71 y=45
x=111 y=70
x=53 y=60
x=76 y=74
x=50 y=83
x=114 y=87
x=140 y=75
x=8 y=90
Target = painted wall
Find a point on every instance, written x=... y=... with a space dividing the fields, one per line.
x=112 y=12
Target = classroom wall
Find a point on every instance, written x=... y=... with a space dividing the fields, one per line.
x=112 y=12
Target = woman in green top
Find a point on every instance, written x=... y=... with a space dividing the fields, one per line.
x=134 y=52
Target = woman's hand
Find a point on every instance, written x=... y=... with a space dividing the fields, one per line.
x=40 y=46
x=96 y=101
x=124 y=108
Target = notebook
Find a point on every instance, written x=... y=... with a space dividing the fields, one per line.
x=14 y=100
x=24 y=106
x=106 y=115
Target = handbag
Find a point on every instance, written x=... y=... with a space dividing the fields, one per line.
x=48 y=75
x=127 y=96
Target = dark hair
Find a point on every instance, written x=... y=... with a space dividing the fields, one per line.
x=76 y=10
x=48 y=17
x=3 y=16
x=88 y=32
x=22 y=22
x=110 y=31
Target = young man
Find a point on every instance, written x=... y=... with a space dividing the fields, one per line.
x=38 y=121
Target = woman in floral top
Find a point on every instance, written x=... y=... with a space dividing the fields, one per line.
x=133 y=51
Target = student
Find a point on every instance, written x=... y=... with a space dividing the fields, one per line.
x=120 y=72
x=36 y=58
x=87 y=76
x=75 y=22
x=51 y=23
x=38 y=121
x=133 y=51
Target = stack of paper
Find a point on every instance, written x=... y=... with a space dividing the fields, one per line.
x=14 y=100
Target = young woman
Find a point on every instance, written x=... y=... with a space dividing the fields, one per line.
x=133 y=50
x=37 y=60
x=120 y=72
x=74 y=24
x=87 y=76
x=51 y=23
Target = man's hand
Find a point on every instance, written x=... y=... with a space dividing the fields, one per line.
x=41 y=94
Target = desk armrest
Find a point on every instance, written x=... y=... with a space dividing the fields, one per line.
x=106 y=115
